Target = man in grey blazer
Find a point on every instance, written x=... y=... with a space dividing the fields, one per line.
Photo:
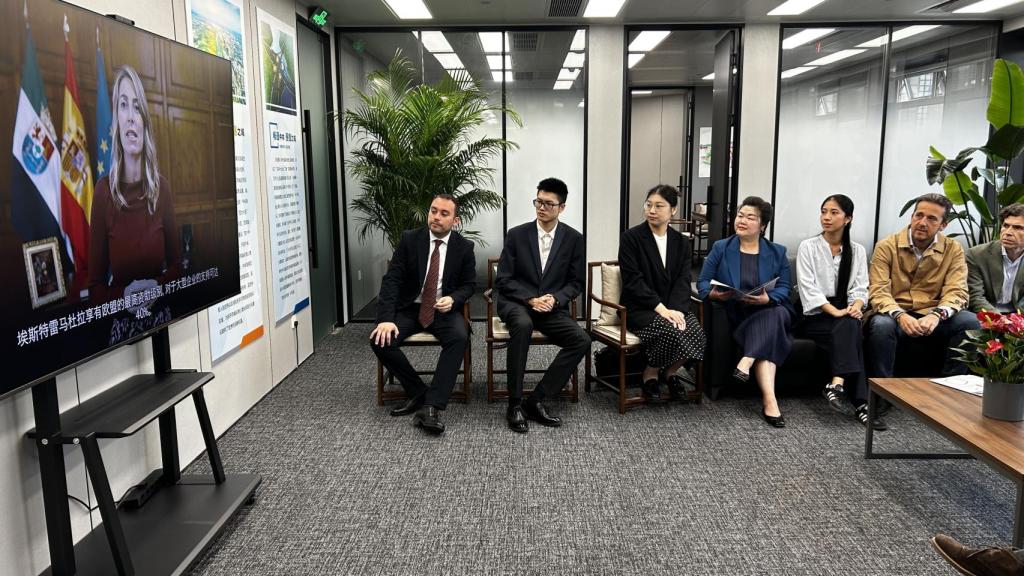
x=995 y=276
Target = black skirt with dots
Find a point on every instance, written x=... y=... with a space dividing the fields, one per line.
x=664 y=344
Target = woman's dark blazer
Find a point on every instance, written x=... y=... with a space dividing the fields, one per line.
x=646 y=282
x=723 y=264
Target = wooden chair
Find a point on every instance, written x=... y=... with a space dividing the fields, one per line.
x=459 y=394
x=613 y=333
x=498 y=336
x=700 y=231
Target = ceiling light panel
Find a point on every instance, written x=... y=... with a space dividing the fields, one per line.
x=794 y=7
x=641 y=92
x=647 y=40
x=709 y=77
x=603 y=8
x=898 y=35
x=563 y=85
x=494 y=62
x=795 y=71
x=496 y=76
x=409 y=9
x=634 y=59
x=574 y=60
x=564 y=74
x=985 y=6
x=435 y=41
x=836 y=57
x=491 y=42
x=804 y=36
x=579 y=41
x=449 y=61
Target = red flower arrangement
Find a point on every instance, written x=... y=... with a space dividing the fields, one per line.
x=996 y=351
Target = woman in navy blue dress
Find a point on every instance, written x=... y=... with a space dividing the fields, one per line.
x=760 y=322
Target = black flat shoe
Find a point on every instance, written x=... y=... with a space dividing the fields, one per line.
x=741 y=376
x=651 y=389
x=776 y=421
x=677 y=388
x=411 y=405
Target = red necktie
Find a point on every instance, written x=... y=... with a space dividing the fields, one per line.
x=430 y=287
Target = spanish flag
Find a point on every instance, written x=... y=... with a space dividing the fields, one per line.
x=75 y=174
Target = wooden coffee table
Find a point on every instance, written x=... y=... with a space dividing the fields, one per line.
x=957 y=416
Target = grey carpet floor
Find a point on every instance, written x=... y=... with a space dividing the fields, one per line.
x=673 y=489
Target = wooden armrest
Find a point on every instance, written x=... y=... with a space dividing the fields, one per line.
x=607 y=303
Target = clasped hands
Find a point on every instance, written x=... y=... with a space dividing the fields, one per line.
x=854 y=310
x=916 y=327
x=545 y=303
x=675 y=317
x=385 y=332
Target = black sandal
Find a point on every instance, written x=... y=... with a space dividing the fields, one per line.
x=741 y=376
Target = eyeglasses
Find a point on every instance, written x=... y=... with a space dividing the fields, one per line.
x=538 y=203
x=657 y=207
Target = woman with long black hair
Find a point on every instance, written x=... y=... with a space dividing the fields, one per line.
x=832 y=273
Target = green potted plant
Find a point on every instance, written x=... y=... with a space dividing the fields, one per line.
x=414 y=141
x=1006 y=115
x=996 y=352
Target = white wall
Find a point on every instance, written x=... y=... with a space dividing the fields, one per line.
x=702 y=109
x=242 y=377
x=604 y=140
x=757 y=113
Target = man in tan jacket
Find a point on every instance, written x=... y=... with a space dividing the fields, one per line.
x=918 y=289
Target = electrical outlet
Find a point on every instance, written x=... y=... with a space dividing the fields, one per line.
x=295 y=322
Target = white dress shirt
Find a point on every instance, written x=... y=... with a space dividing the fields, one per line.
x=817 y=272
x=440 y=264
x=540 y=244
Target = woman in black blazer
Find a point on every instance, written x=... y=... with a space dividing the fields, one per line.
x=654 y=260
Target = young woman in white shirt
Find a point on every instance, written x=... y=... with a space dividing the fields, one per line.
x=832 y=273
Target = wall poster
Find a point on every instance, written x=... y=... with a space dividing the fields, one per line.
x=704 y=153
x=217 y=27
x=284 y=166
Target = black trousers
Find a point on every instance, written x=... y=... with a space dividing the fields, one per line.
x=842 y=340
x=560 y=328
x=450 y=329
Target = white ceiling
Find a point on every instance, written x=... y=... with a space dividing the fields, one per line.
x=519 y=12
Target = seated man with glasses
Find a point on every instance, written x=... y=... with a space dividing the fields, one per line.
x=541 y=270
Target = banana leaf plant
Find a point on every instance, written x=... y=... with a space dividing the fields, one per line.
x=966 y=190
x=414 y=141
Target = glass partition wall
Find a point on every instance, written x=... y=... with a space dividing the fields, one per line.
x=859 y=107
x=538 y=73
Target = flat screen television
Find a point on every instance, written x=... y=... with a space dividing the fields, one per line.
x=117 y=203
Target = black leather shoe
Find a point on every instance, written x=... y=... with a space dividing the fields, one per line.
x=536 y=411
x=410 y=406
x=777 y=421
x=517 y=419
x=652 y=390
x=427 y=418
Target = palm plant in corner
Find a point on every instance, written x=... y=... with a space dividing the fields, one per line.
x=1006 y=115
x=414 y=141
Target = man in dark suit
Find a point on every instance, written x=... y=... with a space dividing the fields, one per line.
x=995 y=276
x=540 y=272
x=432 y=274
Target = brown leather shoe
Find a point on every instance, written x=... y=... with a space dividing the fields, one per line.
x=987 y=561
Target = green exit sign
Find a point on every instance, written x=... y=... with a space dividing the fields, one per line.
x=318 y=16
